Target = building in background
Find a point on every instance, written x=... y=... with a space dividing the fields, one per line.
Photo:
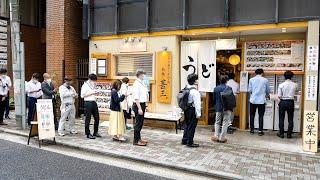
x=160 y=36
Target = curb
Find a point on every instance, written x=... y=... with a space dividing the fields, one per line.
x=217 y=174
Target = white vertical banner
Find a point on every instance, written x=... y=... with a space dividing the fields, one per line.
x=188 y=60
x=199 y=57
x=93 y=66
x=207 y=66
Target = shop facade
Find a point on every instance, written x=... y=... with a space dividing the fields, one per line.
x=276 y=47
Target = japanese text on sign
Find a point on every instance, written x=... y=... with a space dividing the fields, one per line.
x=164 y=70
x=310 y=131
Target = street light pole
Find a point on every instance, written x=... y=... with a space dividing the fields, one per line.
x=18 y=65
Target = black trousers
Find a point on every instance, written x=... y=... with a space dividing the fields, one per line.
x=261 y=109
x=139 y=119
x=91 y=108
x=190 y=127
x=7 y=111
x=2 y=109
x=31 y=109
x=286 y=106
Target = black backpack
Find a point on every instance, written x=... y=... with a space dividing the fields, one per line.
x=183 y=97
x=228 y=99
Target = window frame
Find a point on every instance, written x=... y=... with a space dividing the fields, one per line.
x=114 y=57
x=105 y=66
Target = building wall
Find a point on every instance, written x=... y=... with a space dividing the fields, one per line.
x=154 y=44
x=64 y=41
x=35 y=50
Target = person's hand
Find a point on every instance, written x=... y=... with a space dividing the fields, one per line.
x=147 y=109
x=38 y=90
x=3 y=98
x=55 y=90
x=140 y=112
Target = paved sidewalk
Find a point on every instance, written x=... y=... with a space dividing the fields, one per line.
x=226 y=160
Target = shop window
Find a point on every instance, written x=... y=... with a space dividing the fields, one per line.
x=4 y=8
x=128 y=64
x=102 y=67
x=29 y=11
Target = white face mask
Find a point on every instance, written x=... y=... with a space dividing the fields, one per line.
x=49 y=80
x=35 y=81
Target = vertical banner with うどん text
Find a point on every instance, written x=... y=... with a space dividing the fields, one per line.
x=310 y=131
x=199 y=57
x=164 y=76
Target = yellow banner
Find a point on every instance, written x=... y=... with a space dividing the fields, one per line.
x=310 y=131
x=164 y=76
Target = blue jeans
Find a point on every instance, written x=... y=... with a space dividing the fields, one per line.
x=31 y=108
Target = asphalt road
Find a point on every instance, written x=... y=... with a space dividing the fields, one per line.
x=23 y=162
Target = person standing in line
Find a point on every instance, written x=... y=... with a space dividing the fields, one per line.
x=68 y=110
x=236 y=90
x=116 y=120
x=223 y=113
x=259 y=93
x=141 y=96
x=33 y=88
x=88 y=93
x=125 y=106
x=4 y=89
x=193 y=113
x=286 y=92
x=8 y=83
x=49 y=92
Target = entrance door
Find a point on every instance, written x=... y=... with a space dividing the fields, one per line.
x=82 y=76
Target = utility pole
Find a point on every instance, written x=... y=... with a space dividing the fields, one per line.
x=18 y=65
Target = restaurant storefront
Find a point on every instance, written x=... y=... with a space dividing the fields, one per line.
x=274 y=47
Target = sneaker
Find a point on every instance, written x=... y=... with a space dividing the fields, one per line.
x=251 y=131
x=224 y=140
x=184 y=143
x=128 y=128
x=97 y=135
x=193 y=145
x=89 y=136
x=122 y=139
x=289 y=136
x=7 y=117
x=73 y=132
x=61 y=134
x=214 y=139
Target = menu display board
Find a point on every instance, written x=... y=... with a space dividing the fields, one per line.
x=274 y=55
x=104 y=96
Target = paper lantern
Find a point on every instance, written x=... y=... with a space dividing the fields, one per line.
x=234 y=59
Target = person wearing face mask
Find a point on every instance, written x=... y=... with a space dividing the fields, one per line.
x=88 y=93
x=4 y=89
x=193 y=113
x=33 y=88
x=68 y=110
x=140 y=95
x=125 y=104
x=49 y=92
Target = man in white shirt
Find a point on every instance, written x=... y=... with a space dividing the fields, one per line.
x=8 y=83
x=33 y=88
x=235 y=88
x=4 y=89
x=88 y=93
x=67 y=108
x=286 y=93
x=193 y=113
x=141 y=97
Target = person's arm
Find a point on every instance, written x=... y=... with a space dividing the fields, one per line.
x=86 y=91
x=279 y=92
x=250 y=86
x=197 y=104
x=64 y=92
x=136 y=96
x=9 y=82
x=238 y=89
x=45 y=89
x=116 y=98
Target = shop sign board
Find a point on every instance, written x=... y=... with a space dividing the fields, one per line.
x=274 y=55
x=164 y=76
x=3 y=49
x=135 y=46
x=226 y=44
x=244 y=81
x=104 y=96
x=312 y=59
x=45 y=119
x=3 y=22
x=199 y=57
x=3 y=56
x=93 y=66
x=311 y=88
x=3 y=62
x=310 y=131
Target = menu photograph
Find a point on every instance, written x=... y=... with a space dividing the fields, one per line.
x=274 y=55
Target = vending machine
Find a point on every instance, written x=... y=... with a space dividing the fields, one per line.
x=297 y=105
x=269 y=113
